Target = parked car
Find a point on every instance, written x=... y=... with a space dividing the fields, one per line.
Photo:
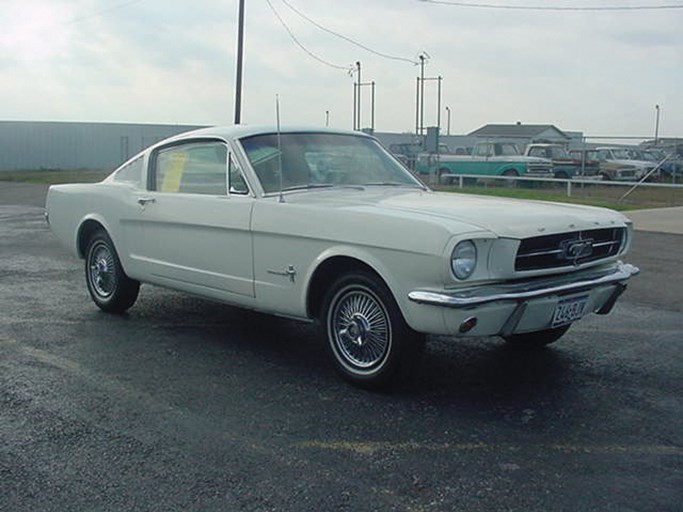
x=564 y=167
x=406 y=152
x=609 y=170
x=325 y=225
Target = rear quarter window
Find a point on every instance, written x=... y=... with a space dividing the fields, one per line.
x=130 y=173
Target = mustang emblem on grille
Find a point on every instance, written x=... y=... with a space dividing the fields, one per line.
x=574 y=250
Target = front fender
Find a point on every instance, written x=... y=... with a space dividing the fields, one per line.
x=400 y=271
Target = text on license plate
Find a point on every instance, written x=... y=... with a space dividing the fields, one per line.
x=568 y=310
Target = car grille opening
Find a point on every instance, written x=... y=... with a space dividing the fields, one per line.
x=569 y=249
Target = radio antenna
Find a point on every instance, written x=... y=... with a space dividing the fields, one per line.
x=281 y=198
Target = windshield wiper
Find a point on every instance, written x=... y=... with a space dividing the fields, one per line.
x=392 y=184
x=308 y=186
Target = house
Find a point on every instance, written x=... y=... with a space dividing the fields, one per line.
x=523 y=134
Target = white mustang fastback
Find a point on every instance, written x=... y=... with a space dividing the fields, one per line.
x=326 y=225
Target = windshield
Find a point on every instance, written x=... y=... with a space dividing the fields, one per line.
x=621 y=154
x=506 y=150
x=558 y=153
x=313 y=160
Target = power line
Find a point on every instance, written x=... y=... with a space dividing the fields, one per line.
x=348 y=39
x=553 y=8
x=349 y=69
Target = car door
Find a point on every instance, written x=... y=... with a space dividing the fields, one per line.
x=195 y=218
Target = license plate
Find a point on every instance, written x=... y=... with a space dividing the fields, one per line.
x=568 y=310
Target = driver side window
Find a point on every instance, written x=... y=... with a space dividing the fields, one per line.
x=195 y=168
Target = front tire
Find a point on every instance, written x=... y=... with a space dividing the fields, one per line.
x=510 y=174
x=109 y=286
x=369 y=341
x=537 y=339
x=443 y=178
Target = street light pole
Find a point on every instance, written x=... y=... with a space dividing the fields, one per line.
x=657 y=125
x=448 y=120
x=438 y=104
x=372 y=106
x=238 y=74
x=422 y=92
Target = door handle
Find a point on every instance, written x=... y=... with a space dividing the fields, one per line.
x=142 y=201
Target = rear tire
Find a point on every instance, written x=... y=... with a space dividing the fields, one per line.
x=109 y=286
x=367 y=337
x=537 y=339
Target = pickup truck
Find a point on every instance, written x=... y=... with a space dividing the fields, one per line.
x=564 y=167
x=487 y=159
x=607 y=170
x=620 y=156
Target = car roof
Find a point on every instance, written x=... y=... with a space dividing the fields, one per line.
x=242 y=131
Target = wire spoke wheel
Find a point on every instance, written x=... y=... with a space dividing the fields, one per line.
x=361 y=329
x=102 y=270
x=109 y=286
x=367 y=337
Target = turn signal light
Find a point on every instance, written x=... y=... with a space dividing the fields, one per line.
x=468 y=324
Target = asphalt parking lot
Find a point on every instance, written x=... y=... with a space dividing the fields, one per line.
x=184 y=404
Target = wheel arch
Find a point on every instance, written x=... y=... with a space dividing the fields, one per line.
x=326 y=273
x=86 y=229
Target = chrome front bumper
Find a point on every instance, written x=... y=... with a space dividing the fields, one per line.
x=530 y=289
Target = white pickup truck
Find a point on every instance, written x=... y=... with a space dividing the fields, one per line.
x=487 y=159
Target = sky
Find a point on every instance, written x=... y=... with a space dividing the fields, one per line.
x=154 y=61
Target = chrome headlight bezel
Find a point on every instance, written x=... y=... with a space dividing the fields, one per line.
x=464 y=259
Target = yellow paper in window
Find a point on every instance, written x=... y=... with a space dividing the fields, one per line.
x=173 y=171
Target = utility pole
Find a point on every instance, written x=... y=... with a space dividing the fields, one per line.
x=417 y=106
x=357 y=106
x=420 y=97
x=238 y=74
x=657 y=125
x=357 y=86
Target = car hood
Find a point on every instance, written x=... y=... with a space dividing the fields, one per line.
x=510 y=218
x=535 y=159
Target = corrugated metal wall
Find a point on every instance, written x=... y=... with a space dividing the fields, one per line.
x=62 y=145
x=103 y=146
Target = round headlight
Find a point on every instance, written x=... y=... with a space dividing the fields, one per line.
x=464 y=259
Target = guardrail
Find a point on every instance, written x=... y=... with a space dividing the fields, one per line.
x=586 y=181
x=655 y=193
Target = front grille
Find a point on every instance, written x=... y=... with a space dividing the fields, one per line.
x=568 y=249
x=539 y=169
x=626 y=173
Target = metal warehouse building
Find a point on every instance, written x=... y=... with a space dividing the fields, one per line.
x=64 y=145
x=78 y=145
x=103 y=146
